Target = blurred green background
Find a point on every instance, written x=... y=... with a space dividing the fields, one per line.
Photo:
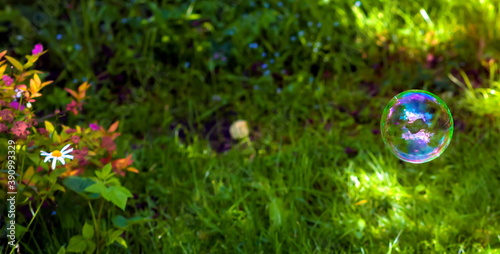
x=311 y=78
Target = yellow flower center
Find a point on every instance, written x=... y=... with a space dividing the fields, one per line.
x=56 y=153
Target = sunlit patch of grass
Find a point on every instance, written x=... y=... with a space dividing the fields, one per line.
x=482 y=101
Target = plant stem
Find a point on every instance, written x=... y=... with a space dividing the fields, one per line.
x=33 y=218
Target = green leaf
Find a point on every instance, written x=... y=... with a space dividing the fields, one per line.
x=276 y=211
x=35 y=157
x=119 y=221
x=77 y=244
x=105 y=173
x=113 y=235
x=90 y=247
x=78 y=184
x=15 y=63
x=122 y=222
x=97 y=187
x=20 y=230
x=118 y=195
x=121 y=241
x=99 y=174
x=62 y=250
x=88 y=231
x=49 y=127
x=106 y=170
x=137 y=220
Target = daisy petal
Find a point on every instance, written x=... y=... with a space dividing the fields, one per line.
x=68 y=156
x=65 y=147
x=54 y=163
x=61 y=159
x=69 y=151
x=48 y=158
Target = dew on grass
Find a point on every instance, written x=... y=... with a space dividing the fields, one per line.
x=417 y=126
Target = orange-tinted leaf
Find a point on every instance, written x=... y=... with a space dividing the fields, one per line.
x=114 y=126
x=46 y=83
x=83 y=87
x=132 y=169
x=3 y=53
x=73 y=93
x=115 y=135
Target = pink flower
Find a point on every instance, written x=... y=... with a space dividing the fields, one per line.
x=7 y=80
x=108 y=144
x=42 y=131
x=19 y=129
x=37 y=49
x=3 y=127
x=69 y=131
x=75 y=139
x=94 y=126
x=74 y=107
x=6 y=115
x=80 y=156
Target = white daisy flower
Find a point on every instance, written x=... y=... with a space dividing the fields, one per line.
x=58 y=156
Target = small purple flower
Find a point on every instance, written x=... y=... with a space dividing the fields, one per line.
x=94 y=126
x=7 y=80
x=37 y=49
x=253 y=45
x=264 y=66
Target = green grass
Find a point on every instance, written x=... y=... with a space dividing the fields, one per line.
x=316 y=177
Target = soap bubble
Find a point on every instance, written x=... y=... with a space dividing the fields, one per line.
x=417 y=126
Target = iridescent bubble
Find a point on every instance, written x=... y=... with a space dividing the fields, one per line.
x=417 y=126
